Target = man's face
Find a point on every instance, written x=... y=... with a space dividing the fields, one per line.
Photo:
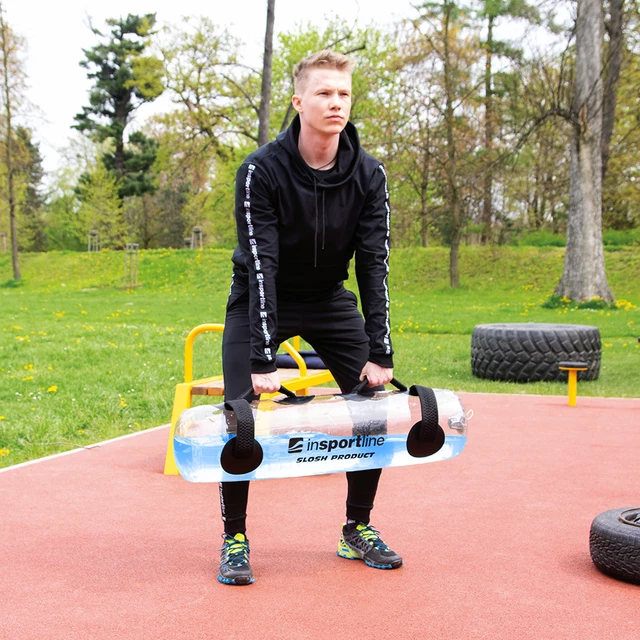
x=324 y=101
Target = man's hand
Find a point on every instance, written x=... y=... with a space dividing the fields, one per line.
x=265 y=382
x=376 y=375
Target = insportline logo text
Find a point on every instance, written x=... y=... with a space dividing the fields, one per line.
x=300 y=445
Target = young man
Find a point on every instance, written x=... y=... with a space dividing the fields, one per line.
x=305 y=204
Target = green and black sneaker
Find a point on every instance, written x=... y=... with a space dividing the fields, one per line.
x=362 y=542
x=234 y=560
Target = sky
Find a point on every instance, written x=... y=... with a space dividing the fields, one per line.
x=56 y=33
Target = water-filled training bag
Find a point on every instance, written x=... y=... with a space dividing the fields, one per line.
x=312 y=435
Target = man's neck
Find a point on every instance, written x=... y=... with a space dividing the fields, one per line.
x=317 y=150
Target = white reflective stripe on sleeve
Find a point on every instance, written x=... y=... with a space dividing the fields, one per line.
x=387 y=336
x=253 y=247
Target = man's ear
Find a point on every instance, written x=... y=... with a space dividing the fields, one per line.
x=296 y=101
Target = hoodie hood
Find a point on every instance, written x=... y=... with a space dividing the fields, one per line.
x=350 y=156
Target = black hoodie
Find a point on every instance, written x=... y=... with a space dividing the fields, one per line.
x=299 y=228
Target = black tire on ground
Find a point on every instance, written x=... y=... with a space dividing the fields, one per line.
x=531 y=352
x=614 y=543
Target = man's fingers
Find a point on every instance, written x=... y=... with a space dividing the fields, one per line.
x=376 y=375
x=265 y=382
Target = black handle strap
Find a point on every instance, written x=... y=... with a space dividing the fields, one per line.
x=429 y=426
x=286 y=392
x=245 y=395
x=426 y=437
x=246 y=428
x=360 y=387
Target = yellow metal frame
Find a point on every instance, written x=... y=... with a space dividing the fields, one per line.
x=573 y=383
x=184 y=390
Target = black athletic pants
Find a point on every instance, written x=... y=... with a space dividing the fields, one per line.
x=334 y=327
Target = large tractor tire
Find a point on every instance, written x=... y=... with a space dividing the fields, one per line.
x=531 y=352
x=614 y=543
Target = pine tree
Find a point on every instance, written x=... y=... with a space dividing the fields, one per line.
x=124 y=79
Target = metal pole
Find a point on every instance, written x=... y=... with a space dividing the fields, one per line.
x=126 y=257
x=137 y=261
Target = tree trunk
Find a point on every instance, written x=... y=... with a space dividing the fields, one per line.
x=424 y=221
x=487 y=205
x=424 y=188
x=8 y=142
x=584 y=274
x=612 y=77
x=265 y=96
x=451 y=167
x=121 y=117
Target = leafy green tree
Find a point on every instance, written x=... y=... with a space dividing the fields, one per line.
x=620 y=194
x=12 y=79
x=64 y=227
x=217 y=97
x=491 y=12
x=101 y=207
x=124 y=79
x=32 y=232
x=444 y=37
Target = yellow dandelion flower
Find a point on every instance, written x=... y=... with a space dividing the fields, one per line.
x=52 y=389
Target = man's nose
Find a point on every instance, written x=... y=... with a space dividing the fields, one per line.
x=334 y=102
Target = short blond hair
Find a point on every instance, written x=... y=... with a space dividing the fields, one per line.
x=325 y=59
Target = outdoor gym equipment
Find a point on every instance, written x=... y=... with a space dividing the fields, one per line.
x=572 y=368
x=131 y=258
x=93 y=241
x=299 y=380
x=313 y=435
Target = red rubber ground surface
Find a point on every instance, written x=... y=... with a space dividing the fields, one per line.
x=100 y=545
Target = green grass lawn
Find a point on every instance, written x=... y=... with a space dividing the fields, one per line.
x=83 y=360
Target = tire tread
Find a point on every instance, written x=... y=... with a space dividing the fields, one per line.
x=531 y=352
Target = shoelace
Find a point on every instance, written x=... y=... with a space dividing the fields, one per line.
x=237 y=552
x=373 y=536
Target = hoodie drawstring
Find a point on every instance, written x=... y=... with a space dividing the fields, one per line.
x=315 y=237
x=324 y=221
x=323 y=218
